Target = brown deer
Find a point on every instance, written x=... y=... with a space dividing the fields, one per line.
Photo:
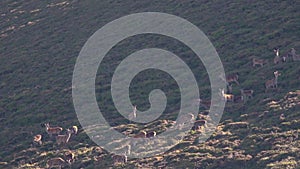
x=260 y=62
x=37 y=139
x=151 y=134
x=53 y=130
x=227 y=97
x=232 y=78
x=247 y=93
x=141 y=134
x=63 y=139
x=272 y=83
x=56 y=162
x=294 y=55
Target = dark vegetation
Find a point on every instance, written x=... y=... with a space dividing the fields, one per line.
x=39 y=44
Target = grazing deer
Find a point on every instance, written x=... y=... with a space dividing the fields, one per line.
x=273 y=82
x=227 y=97
x=294 y=55
x=119 y=159
x=37 y=139
x=141 y=134
x=260 y=62
x=247 y=93
x=277 y=57
x=56 y=162
x=132 y=115
x=53 y=130
x=151 y=134
x=63 y=139
x=232 y=78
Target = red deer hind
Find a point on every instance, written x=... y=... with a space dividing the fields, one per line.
x=272 y=83
x=232 y=78
x=53 y=130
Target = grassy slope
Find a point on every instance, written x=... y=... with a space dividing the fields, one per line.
x=39 y=49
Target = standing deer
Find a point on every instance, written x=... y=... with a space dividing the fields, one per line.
x=56 y=162
x=273 y=82
x=247 y=93
x=260 y=62
x=227 y=97
x=232 y=78
x=294 y=55
x=277 y=57
x=63 y=139
x=53 y=130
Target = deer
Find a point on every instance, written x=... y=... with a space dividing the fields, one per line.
x=74 y=129
x=277 y=57
x=56 y=162
x=141 y=134
x=63 y=139
x=227 y=97
x=232 y=78
x=272 y=83
x=247 y=93
x=37 y=139
x=151 y=134
x=260 y=62
x=53 y=130
x=294 y=55
x=132 y=115
x=119 y=159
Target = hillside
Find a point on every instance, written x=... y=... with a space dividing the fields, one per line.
x=41 y=40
